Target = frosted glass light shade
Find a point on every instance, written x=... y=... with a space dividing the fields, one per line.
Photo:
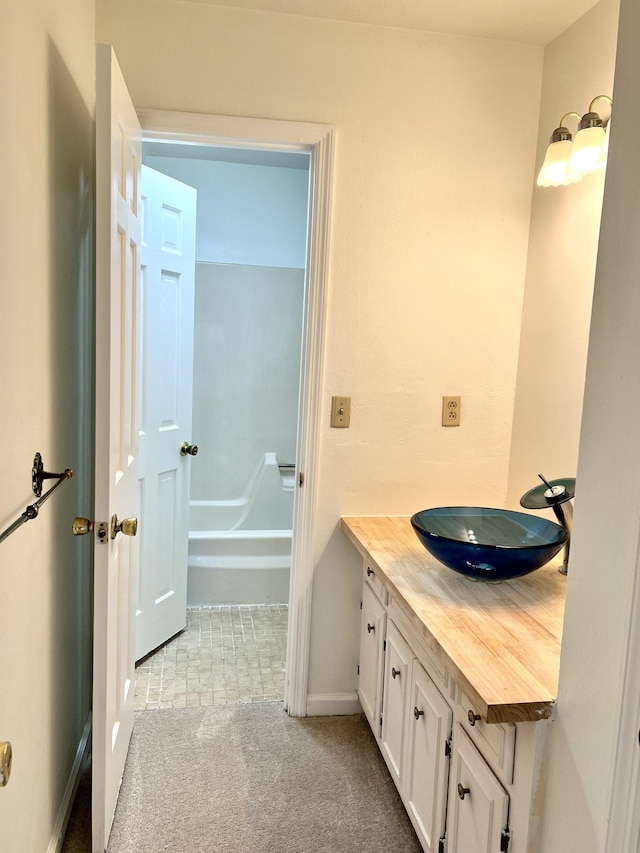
x=555 y=170
x=586 y=154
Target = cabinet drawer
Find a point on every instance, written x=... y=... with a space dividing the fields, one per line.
x=371 y=578
x=496 y=741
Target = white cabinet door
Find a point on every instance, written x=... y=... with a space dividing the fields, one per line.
x=167 y=271
x=118 y=151
x=395 y=692
x=478 y=804
x=374 y=619
x=427 y=761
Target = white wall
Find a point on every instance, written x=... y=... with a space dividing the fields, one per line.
x=563 y=243
x=603 y=570
x=429 y=234
x=247 y=214
x=46 y=306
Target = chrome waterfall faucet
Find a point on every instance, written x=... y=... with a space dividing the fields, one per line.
x=557 y=495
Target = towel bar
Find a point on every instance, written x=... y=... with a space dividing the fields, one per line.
x=38 y=474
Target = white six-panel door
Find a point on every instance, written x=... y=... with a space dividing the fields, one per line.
x=118 y=156
x=167 y=273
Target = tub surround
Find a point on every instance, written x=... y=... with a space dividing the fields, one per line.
x=499 y=642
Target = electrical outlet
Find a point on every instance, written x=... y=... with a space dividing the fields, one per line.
x=451 y=410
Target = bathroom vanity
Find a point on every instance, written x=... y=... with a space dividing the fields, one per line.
x=458 y=681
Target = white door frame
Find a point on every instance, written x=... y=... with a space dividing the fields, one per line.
x=317 y=140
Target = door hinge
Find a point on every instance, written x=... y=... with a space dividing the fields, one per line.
x=300 y=479
x=384 y=645
x=441 y=844
x=360 y=605
x=505 y=840
x=447 y=746
x=358 y=669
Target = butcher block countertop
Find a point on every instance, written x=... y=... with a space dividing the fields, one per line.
x=499 y=641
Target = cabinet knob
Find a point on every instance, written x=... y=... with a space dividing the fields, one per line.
x=370 y=572
x=417 y=714
x=462 y=792
x=370 y=628
x=473 y=718
x=394 y=672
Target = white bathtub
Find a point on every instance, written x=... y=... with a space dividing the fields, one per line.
x=240 y=550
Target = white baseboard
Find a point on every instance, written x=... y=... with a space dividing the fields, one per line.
x=332 y=704
x=55 y=845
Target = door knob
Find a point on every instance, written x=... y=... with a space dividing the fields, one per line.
x=128 y=526
x=82 y=526
x=5 y=763
x=191 y=449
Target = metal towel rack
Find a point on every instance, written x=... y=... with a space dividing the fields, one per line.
x=38 y=476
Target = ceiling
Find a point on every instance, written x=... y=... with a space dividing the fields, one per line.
x=525 y=21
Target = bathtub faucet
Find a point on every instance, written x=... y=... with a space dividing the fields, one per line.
x=555 y=495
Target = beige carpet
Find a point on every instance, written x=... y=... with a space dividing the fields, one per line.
x=249 y=779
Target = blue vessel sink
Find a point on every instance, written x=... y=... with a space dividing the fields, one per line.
x=488 y=544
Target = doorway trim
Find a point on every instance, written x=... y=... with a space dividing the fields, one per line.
x=318 y=141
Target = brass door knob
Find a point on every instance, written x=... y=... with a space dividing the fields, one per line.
x=82 y=526
x=191 y=449
x=128 y=526
x=5 y=762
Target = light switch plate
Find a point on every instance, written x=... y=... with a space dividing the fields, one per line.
x=340 y=411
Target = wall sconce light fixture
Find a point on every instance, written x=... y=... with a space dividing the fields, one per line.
x=567 y=161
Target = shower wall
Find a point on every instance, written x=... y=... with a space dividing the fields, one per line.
x=247 y=338
x=250 y=252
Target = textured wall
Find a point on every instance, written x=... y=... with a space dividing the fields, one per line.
x=563 y=244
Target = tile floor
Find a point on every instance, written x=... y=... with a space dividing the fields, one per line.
x=228 y=653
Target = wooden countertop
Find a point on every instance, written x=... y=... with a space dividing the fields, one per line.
x=499 y=641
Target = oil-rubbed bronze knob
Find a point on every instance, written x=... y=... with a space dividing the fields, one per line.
x=462 y=792
x=191 y=449
x=417 y=714
x=473 y=718
x=370 y=628
x=394 y=672
x=128 y=526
